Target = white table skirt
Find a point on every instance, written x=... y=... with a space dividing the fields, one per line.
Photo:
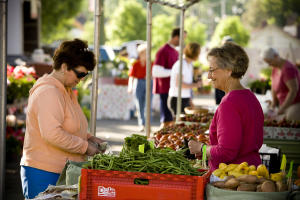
x=114 y=102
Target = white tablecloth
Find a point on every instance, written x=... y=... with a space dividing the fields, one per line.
x=114 y=102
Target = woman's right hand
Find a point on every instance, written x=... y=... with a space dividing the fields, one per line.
x=129 y=90
x=92 y=149
x=198 y=84
x=195 y=147
x=271 y=104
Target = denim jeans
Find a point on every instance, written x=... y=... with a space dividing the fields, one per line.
x=165 y=113
x=141 y=100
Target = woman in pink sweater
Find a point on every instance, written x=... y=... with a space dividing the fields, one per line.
x=236 y=131
x=56 y=128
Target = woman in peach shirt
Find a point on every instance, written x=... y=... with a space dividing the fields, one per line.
x=56 y=128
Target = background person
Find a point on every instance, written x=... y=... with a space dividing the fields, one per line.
x=56 y=128
x=191 y=53
x=236 y=131
x=166 y=56
x=285 y=88
x=138 y=72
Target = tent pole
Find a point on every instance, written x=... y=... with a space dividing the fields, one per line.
x=148 y=68
x=3 y=80
x=181 y=43
x=98 y=13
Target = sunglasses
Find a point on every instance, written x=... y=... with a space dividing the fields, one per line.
x=79 y=75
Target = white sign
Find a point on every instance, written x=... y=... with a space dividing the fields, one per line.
x=106 y=192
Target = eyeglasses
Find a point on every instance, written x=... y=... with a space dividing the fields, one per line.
x=212 y=70
x=79 y=75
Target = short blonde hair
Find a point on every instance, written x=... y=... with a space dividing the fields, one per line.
x=231 y=56
x=192 y=50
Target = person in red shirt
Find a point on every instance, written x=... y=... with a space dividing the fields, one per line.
x=166 y=56
x=285 y=85
x=137 y=82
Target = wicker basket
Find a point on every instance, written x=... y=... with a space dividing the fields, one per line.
x=195 y=110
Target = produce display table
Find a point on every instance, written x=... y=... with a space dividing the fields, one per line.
x=114 y=102
x=285 y=139
x=281 y=133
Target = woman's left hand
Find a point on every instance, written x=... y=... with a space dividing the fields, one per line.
x=96 y=140
x=195 y=147
x=280 y=111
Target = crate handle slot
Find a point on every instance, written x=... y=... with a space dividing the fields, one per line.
x=141 y=181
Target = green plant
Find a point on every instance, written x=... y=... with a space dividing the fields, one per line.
x=87 y=112
x=260 y=86
x=265 y=73
x=14 y=140
x=19 y=81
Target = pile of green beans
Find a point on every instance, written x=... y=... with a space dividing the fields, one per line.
x=162 y=161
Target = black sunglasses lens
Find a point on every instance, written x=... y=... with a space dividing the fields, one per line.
x=81 y=75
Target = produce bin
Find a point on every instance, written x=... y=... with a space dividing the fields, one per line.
x=103 y=184
x=285 y=139
x=214 y=193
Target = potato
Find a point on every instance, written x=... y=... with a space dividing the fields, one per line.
x=261 y=180
x=232 y=183
x=248 y=179
x=268 y=186
x=228 y=177
x=247 y=187
x=219 y=184
x=258 y=188
x=281 y=187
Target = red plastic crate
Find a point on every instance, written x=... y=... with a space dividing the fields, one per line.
x=103 y=184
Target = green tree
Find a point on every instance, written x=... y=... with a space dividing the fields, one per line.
x=162 y=26
x=196 y=30
x=255 y=14
x=57 y=18
x=271 y=11
x=128 y=23
x=233 y=27
x=88 y=33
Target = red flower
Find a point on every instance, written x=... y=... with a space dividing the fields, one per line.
x=10 y=70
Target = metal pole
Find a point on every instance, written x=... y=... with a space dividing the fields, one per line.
x=223 y=8
x=3 y=52
x=39 y=22
x=98 y=12
x=180 y=65
x=148 y=68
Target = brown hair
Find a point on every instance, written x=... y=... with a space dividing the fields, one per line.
x=231 y=56
x=176 y=32
x=74 y=53
x=192 y=50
